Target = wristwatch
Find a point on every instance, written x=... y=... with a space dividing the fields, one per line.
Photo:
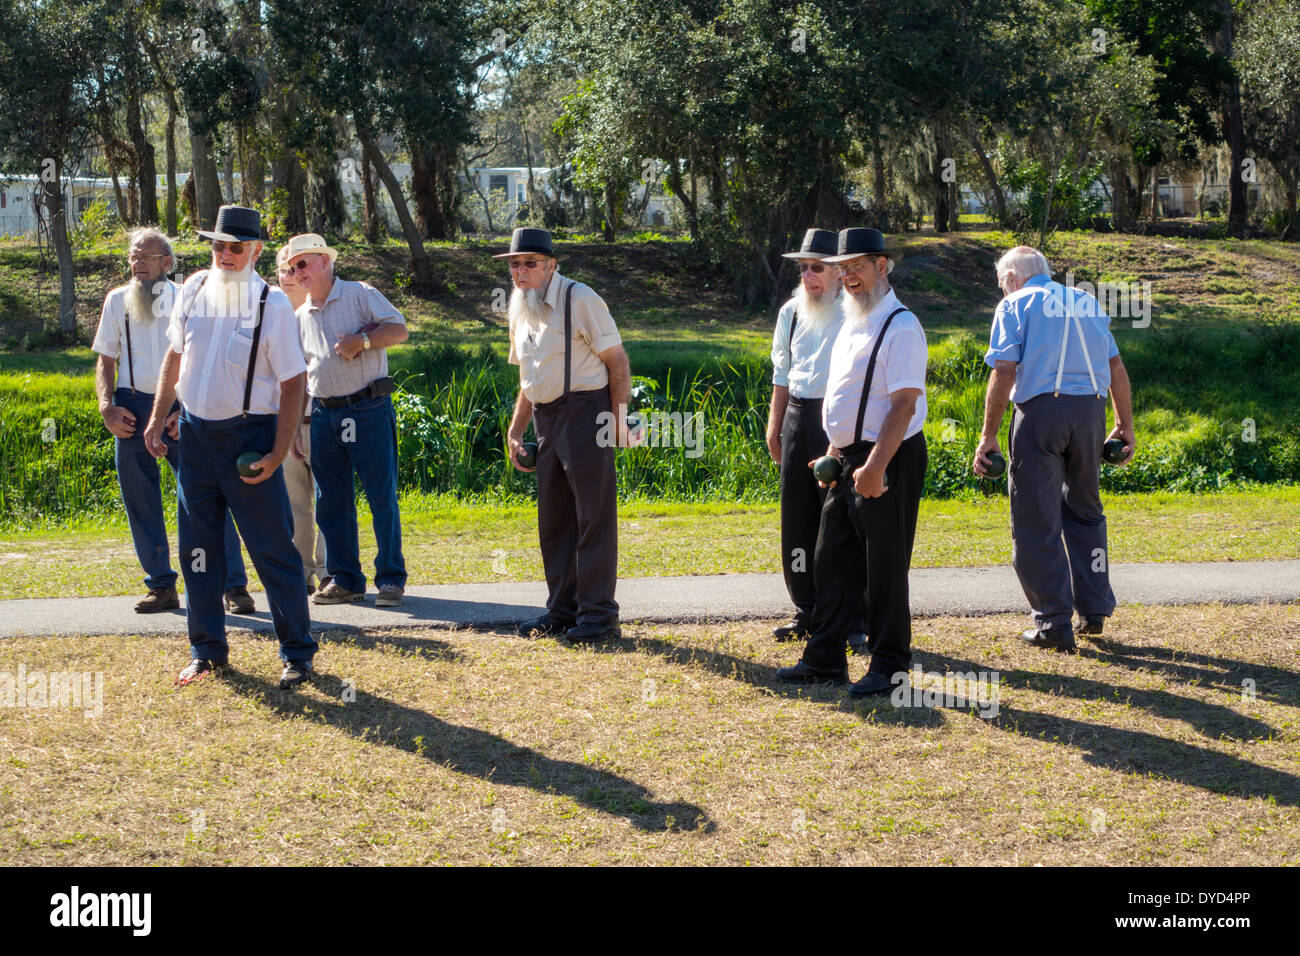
x=365 y=341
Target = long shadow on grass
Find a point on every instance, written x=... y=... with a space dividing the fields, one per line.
x=1271 y=683
x=427 y=647
x=1136 y=751
x=470 y=751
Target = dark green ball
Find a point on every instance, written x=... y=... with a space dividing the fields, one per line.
x=1113 y=451
x=246 y=461
x=997 y=466
x=826 y=469
x=528 y=457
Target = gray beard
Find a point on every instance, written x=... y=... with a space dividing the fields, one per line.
x=141 y=300
x=527 y=306
x=818 y=312
x=858 y=307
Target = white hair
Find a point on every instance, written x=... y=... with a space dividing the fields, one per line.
x=139 y=237
x=1023 y=262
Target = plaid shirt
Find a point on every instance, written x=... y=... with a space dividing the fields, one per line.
x=348 y=307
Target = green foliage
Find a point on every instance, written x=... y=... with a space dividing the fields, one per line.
x=98 y=227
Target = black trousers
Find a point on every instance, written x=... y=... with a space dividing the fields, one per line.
x=577 y=512
x=802 y=440
x=867 y=542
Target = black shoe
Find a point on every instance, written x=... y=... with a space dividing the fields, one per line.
x=1092 y=624
x=794 y=631
x=196 y=669
x=857 y=642
x=544 y=626
x=295 y=674
x=593 y=633
x=873 y=684
x=1050 y=640
x=239 y=601
x=802 y=673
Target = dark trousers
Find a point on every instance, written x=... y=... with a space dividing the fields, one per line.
x=209 y=483
x=577 y=509
x=867 y=543
x=357 y=440
x=802 y=441
x=1058 y=529
x=141 y=484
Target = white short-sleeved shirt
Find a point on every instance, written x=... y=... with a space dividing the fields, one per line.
x=348 y=306
x=538 y=348
x=214 y=344
x=148 y=338
x=900 y=364
x=802 y=365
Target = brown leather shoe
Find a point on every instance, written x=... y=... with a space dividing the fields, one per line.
x=239 y=601
x=158 y=599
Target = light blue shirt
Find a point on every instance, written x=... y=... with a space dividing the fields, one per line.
x=1029 y=327
x=803 y=365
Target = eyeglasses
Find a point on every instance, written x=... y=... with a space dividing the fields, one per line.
x=861 y=263
x=235 y=248
x=141 y=257
x=301 y=264
x=815 y=267
x=525 y=263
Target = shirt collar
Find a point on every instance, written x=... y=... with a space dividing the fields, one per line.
x=886 y=305
x=336 y=290
x=1041 y=279
x=552 y=297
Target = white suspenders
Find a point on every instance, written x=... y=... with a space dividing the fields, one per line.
x=1070 y=316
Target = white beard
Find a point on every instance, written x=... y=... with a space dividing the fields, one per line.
x=140 y=303
x=527 y=306
x=229 y=293
x=857 y=308
x=818 y=312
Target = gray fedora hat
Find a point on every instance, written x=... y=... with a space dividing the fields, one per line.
x=817 y=244
x=527 y=240
x=860 y=241
x=236 y=224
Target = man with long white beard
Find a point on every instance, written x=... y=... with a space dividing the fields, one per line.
x=133 y=330
x=873 y=415
x=806 y=328
x=573 y=375
x=235 y=363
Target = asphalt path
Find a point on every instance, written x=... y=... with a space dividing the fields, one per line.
x=934 y=591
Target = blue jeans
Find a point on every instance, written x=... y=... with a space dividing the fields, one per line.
x=359 y=439
x=209 y=484
x=138 y=477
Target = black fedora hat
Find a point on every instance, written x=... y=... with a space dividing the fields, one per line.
x=236 y=224
x=860 y=241
x=817 y=244
x=527 y=240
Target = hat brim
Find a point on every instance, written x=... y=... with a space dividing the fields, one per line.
x=894 y=254
x=321 y=251
x=805 y=255
x=227 y=237
x=510 y=255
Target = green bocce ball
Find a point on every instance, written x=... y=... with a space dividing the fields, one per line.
x=246 y=461
x=826 y=469
x=1113 y=451
x=997 y=465
x=528 y=457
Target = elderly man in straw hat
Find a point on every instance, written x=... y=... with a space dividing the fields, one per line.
x=235 y=362
x=806 y=327
x=873 y=415
x=346 y=329
x=573 y=375
x=133 y=332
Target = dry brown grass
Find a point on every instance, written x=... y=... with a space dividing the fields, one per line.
x=674 y=745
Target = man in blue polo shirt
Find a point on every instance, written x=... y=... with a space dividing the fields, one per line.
x=1054 y=358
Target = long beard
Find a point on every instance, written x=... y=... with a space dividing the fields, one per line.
x=140 y=300
x=527 y=305
x=858 y=307
x=818 y=311
x=229 y=293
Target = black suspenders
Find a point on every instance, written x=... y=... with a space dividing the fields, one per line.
x=871 y=371
x=252 y=355
x=568 y=336
x=794 y=320
x=130 y=362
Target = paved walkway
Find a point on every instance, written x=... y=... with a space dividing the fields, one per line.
x=962 y=591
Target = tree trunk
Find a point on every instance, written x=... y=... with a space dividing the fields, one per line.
x=609 y=225
x=879 y=187
x=53 y=200
x=369 y=206
x=421 y=268
x=688 y=202
x=1233 y=128
x=146 y=170
x=325 y=196
x=1119 y=192
x=207 y=186
x=990 y=177
x=173 y=226
x=426 y=189
x=1155 y=193
x=228 y=172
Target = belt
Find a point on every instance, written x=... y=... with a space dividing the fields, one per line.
x=857 y=448
x=376 y=389
x=798 y=402
x=567 y=396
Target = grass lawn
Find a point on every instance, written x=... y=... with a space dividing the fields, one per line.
x=447 y=542
x=1174 y=740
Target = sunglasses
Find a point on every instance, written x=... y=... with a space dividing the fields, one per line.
x=814 y=267
x=235 y=248
x=525 y=263
x=301 y=264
